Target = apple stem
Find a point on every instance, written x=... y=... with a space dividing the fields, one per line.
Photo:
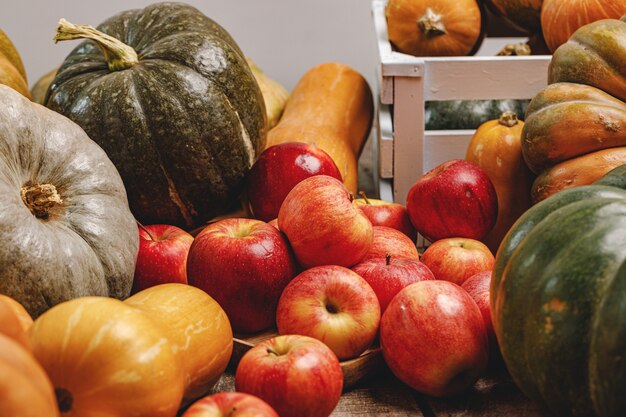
x=362 y=194
x=272 y=351
x=388 y=259
x=231 y=412
x=142 y=227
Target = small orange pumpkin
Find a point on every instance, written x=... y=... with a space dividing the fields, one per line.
x=435 y=27
x=12 y=71
x=14 y=320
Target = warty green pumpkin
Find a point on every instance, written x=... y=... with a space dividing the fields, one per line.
x=65 y=225
x=169 y=96
x=557 y=301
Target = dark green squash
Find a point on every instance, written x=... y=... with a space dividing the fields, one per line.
x=175 y=107
x=65 y=226
x=468 y=114
x=558 y=305
x=615 y=178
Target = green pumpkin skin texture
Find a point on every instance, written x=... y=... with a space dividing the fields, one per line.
x=551 y=301
x=614 y=178
x=88 y=244
x=183 y=126
x=594 y=55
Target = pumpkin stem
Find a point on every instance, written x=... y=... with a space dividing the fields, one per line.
x=362 y=194
x=431 y=24
x=515 y=49
x=508 y=119
x=40 y=199
x=118 y=55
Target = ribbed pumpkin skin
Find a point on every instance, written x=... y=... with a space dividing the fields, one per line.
x=561 y=18
x=183 y=125
x=88 y=244
x=524 y=13
x=552 y=302
x=595 y=55
x=12 y=71
x=566 y=120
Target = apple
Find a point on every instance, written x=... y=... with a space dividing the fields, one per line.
x=454 y=199
x=299 y=376
x=457 y=259
x=322 y=225
x=274 y=223
x=332 y=304
x=388 y=241
x=278 y=169
x=388 y=275
x=230 y=404
x=477 y=286
x=433 y=338
x=244 y=264
x=162 y=256
x=384 y=213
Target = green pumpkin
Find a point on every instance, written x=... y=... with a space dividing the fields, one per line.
x=468 y=114
x=175 y=106
x=558 y=305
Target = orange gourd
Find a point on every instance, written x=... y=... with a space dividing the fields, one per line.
x=135 y=358
x=496 y=148
x=14 y=320
x=12 y=71
x=561 y=18
x=435 y=27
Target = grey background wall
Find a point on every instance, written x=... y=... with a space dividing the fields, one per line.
x=284 y=37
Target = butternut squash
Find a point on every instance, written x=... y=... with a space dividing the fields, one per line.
x=332 y=107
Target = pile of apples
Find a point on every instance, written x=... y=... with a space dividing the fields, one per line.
x=336 y=274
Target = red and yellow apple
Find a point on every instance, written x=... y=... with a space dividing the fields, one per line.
x=388 y=241
x=162 y=256
x=278 y=169
x=388 y=275
x=385 y=213
x=244 y=264
x=477 y=286
x=297 y=375
x=230 y=404
x=332 y=304
x=322 y=225
x=456 y=259
x=433 y=338
x=454 y=199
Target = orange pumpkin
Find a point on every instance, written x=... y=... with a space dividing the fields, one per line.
x=25 y=390
x=561 y=18
x=435 y=27
x=12 y=71
x=14 y=320
x=496 y=148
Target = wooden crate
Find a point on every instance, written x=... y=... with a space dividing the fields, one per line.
x=405 y=150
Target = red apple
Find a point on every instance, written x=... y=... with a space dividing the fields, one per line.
x=388 y=241
x=297 y=375
x=387 y=276
x=244 y=264
x=230 y=404
x=454 y=199
x=457 y=259
x=162 y=256
x=384 y=213
x=278 y=169
x=274 y=223
x=332 y=304
x=477 y=286
x=433 y=338
x=322 y=225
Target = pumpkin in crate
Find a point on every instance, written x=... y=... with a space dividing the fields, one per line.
x=557 y=301
x=468 y=114
x=65 y=226
x=12 y=71
x=496 y=148
x=524 y=13
x=435 y=27
x=169 y=96
x=561 y=18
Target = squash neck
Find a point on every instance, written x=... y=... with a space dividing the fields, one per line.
x=117 y=54
x=508 y=119
x=431 y=24
x=40 y=199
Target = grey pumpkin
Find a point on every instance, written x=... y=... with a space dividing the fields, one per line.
x=175 y=107
x=66 y=230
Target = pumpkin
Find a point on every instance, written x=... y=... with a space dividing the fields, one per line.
x=332 y=107
x=40 y=89
x=274 y=94
x=12 y=71
x=12 y=321
x=435 y=27
x=496 y=148
x=615 y=177
x=136 y=358
x=176 y=108
x=25 y=390
x=468 y=114
x=65 y=225
x=23 y=317
x=557 y=301
x=561 y=18
x=566 y=120
x=594 y=55
x=524 y=13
